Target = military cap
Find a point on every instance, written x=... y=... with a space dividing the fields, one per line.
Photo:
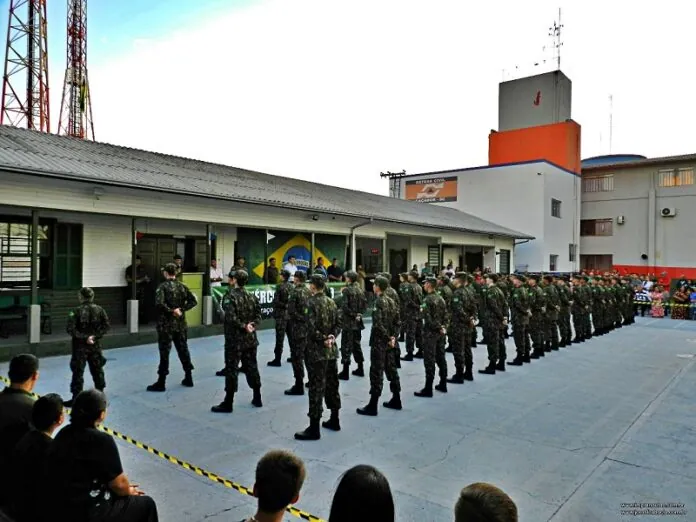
x=300 y=275
x=444 y=278
x=431 y=280
x=548 y=278
x=520 y=278
x=492 y=277
x=86 y=293
x=318 y=281
x=470 y=278
x=286 y=274
x=241 y=276
x=462 y=276
x=533 y=276
x=352 y=275
x=413 y=273
x=170 y=268
x=381 y=282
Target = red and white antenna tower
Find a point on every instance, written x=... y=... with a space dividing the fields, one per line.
x=25 y=100
x=76 y=107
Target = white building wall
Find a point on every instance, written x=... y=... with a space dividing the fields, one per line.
x=560 y=233
x=419 y=250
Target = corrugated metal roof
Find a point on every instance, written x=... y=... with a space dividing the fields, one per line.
x=68 y=158
x=638 y=163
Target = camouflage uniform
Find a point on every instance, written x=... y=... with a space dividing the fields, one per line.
x=418 y=289
x=578 y=308
x=496 y=312
x=463 y=311
x=353 y=306
x=87 y=320
x=520 y=312
x=280 y=314
x=553 y=306
x=170 y=295
x=588 y=294
x=598 y=309
x=479 y=291
x=434 y=311
x=445 y=292
x=564 y=314
x=537 y=304
x=297 y=311
x=411 y=300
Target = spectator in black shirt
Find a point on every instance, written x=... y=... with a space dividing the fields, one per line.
x=335 y=272
x=279 y=479
x=85 y=473
x=362 y=494
x=16 y=403
x=26 y=471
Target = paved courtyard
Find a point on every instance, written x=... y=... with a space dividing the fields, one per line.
x=570 y=437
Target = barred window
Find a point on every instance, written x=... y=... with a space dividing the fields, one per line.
x=675 y=177
x=598 y=183
x=597 y=227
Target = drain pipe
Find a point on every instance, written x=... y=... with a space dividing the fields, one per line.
x=352 y=241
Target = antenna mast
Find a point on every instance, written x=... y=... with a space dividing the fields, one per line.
x=611 y=120
x=394 y=182
x=555 y=33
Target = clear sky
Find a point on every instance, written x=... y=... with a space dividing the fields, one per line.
x=339 y=90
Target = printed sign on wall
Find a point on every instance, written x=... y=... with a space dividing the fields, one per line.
x=432 y=190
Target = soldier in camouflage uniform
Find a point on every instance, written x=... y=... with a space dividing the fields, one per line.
x=394 y=296
x=589 y=308
x=627 y=301
x=496 y=320
x=597 y=307
x=480 y=291
x=280 y=314
x=353 y=306
x=383 y=338
x=434 y=320
x=297 y=307
x=242 y=319
x=553 y=306
x=87 y=324
x=323 y=327
x=520 y=313
x=418 y=289
x=537 y=304
x=617 y=297
x=504 y=285
x=172 y=299
x=463 y=316
x=578 y=307
x=564 y=313
x=411 y=301
x=403 y=283
x=445 y=291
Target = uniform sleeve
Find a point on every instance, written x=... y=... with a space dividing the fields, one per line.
x=257 y=312
x=314 y=332
x=232 y=314
x=161 y=300
x=104 y=325
x=336 y=330
x=71 y=326
x=379 y=317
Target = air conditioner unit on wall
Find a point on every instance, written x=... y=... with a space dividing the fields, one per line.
x=621 y=220
x=668 y=212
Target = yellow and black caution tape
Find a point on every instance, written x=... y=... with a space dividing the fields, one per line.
x=662 y=303
x=190 y=467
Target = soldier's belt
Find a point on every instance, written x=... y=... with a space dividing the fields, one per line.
x=187 y=466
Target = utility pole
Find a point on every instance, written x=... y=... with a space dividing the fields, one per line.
x=394 y=182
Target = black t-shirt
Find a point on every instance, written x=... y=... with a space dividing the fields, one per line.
x=15 y=422
x=81 y=463
x=27 y=471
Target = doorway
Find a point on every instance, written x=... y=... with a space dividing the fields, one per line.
x=398 y=263
x=473 y=260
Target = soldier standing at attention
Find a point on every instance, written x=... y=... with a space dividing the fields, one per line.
x=537 y=304
x=383 y=339
x=322 y=360
x=520 y=313
x=418 y=289
x=172 y=299
x=353 y=306
x=411 y=299
x=280 y=314
x=297 y=307
x=564 y=314
x=577 y=307
x=496 y=321
x=444 y=291
x=403 y=290
x=553 y=307
x=394 y=296
x=87 y=324
x=462 y=310
x=434 y=318
x=242 y=318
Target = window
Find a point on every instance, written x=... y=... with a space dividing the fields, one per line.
x=68 y=256
x=597 y=262
x=597 y=227
x=571 y=252
x=504 y=267
x=553 y=262
x=675 y=177
x=598 y=183
x=434 y=258
x=555 y=208
x=15 y=252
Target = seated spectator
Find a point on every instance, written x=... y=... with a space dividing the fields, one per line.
x=16 y=403
x=279 y=479
x=481 y=502
x=362 y=494
x=85 y=472
x=28 y=460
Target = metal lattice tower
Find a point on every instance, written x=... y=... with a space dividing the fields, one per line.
x=25 y=100
x=76 y=106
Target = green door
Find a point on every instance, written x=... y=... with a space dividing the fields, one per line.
x=67 y=267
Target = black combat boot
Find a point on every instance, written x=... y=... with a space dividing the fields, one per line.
x=68 y=404
x=297 y=389
x=188 y=380
x=360 y=372
x=371 y=408
x=345 y=373
x=394 y=403
x=333 y=423
x=407 y=357
x=517 y=361
x=256 y=401
x=457 y=378
x=419 y=354
x=225 y=406
x=221 y=373
x=501 y=365
x=442 y=386
x=159 y=385
x=289 y=359
x=311 y=433
x=554 y=345
x=527 y=358
x=427 y=391
x=449 y=349
x=275 y=362
x=469 y=373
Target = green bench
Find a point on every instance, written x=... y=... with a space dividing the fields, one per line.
x=11 y=310
x=8 y=312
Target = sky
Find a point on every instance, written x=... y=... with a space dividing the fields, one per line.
x=336 y=91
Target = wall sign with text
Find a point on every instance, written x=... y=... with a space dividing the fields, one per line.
x=432 y=190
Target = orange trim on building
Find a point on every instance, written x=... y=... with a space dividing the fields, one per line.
x=558 y=143
x=663 y=273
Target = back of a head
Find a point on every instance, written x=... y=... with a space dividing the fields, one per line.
x=87 y=408
x=22 y=368
x=279 y=479
x=482 y=502
x=47 y=411
x=362 y=494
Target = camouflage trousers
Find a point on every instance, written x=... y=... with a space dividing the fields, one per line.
x=434 y=353
x=587 y=322
x=323 y=387
x=492 y=332
x=564 y=323
x=409 y=326
x=350 y=345
x=86 y=354
x=281 y=328
x=536 y=330
x=298 y=345
x=165 y=338
x=578 y=323
x=520 y=336
x=551 y=330
x=460 y=340
x=235 y=351
x=419 y=334
x=383 y=362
